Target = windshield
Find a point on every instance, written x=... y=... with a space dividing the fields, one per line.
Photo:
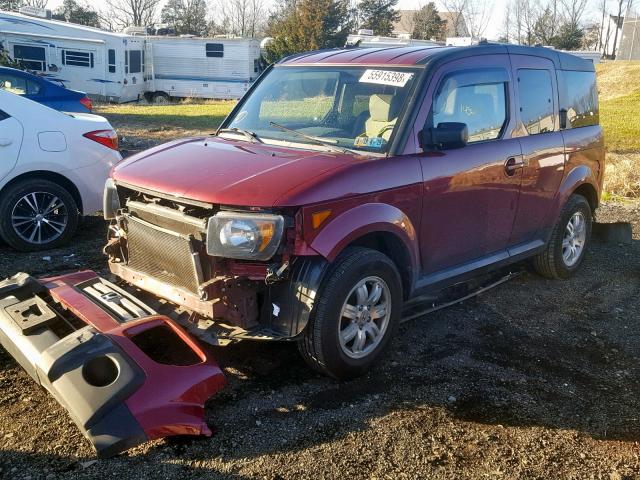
x=348 y=107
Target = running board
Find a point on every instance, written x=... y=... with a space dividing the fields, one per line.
x=416 y=308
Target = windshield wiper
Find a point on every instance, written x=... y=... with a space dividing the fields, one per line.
x=251 y=136
x=330 y=144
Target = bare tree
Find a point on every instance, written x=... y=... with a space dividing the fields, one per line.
x=477 y=14
x=573 y=11
x=126 y=13
x=244 y=18
x=456 y=9
x=603 y=8
x=36 y=3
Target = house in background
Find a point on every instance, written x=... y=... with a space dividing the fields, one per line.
x=455 y=25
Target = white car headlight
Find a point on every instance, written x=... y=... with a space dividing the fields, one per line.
x=110 y=200
x=246 y=236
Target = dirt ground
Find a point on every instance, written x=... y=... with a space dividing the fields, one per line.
x=533 y=379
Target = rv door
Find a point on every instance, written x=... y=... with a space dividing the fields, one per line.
x=133 y=74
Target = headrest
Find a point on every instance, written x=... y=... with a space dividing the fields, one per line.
x=382 y=108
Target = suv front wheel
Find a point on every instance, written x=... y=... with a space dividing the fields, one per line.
x=569 y=240
x=356 y=315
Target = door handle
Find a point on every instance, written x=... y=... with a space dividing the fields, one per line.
x=4 y=142
x=513 y=164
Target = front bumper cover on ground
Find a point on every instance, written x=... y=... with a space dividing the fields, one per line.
x=124 y=373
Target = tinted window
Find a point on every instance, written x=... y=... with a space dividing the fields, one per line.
x=135 y=61
x=19 y=85
x=4 y=115
x=579 y=97
x=112 y=60
x=77 y=58
x=480 y=104
x=30 y=57
x=215 y=50
x=536 y=100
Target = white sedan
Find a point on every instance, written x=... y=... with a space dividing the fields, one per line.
x=53 y=167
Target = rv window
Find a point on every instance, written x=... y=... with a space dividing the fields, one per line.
x=135 y=61
x=215 y=50
x=76 y=58
x=256 y=65
x=112 y=60
x=32 y=58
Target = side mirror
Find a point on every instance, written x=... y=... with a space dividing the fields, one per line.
x=446 y=135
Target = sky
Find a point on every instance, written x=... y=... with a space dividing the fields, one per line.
x=494 y=27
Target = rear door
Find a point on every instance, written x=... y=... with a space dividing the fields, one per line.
x=10 y=142
x=542 y=144
x=470 y=194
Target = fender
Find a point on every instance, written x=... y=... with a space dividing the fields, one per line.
x=580 y=175
x=364 y=219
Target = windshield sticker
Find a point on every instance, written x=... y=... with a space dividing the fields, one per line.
x=386 y=77
x=369 y=142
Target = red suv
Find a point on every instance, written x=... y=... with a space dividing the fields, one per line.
x=348 y=181
x=343 y=184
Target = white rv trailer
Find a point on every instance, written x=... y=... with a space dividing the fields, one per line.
x=365 y=38
x=105 y=65
x=201 y=67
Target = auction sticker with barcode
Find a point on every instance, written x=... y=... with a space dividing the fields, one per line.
x=386 y=77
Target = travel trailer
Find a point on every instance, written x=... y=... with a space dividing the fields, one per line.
x=366 y=38
x=201 y=67
x=106 y=65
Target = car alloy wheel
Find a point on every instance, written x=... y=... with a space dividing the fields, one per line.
x=364 y=317
x=574 y=240
x=39 y=217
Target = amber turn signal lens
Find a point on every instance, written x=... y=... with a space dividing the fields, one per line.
x=267 y=230
x=318 y=217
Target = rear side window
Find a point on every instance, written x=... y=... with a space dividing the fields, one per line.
x=19 y=85
x=215 y=50
x=30 y=57
x=536 y=100
x=478 y=99
x=579 y=98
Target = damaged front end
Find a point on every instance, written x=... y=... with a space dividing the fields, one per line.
x=123 y=372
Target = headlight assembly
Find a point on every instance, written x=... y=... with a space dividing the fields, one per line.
x=247 y=236
x=110 y=200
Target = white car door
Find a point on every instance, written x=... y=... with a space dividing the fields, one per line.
x=10 y=141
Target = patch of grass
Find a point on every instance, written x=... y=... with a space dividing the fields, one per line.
x=618 y=79
x=204 y=116
x=619 y=119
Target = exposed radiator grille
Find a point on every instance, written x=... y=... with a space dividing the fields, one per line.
x=162 y=254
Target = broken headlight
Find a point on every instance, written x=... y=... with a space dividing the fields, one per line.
x=110 y=200
x=245 y=236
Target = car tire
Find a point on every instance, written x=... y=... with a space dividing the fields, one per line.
x=161 y=98
x=332 y=341
x=567 y=247
x=31 y=198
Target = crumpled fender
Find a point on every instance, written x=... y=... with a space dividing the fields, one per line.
x=124 y=373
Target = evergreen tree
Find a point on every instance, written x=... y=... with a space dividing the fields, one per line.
x=303 y=25
x=72 y=11
x=10 y=5
x=428 y=24
x=569 y=37
x=378 y=15
x=186 y=16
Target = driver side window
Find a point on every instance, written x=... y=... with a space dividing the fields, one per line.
x=477 y=99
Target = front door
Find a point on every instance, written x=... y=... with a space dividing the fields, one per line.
x=542 y=145
x=470 y=193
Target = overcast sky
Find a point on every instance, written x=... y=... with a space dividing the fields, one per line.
x=493 y=29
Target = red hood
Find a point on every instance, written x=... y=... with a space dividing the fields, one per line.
x=223 y=171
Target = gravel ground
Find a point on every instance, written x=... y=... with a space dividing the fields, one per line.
x=533 y=379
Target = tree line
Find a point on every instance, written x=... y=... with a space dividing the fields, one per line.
x=300 y=25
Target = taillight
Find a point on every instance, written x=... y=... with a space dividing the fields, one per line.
x=108 y=138
x=86 y=102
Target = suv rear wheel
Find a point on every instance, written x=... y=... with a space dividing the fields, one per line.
x=356 y=315
x=569 y=240
x=37 y=214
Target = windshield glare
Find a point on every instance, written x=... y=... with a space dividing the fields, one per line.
x=351 y=107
